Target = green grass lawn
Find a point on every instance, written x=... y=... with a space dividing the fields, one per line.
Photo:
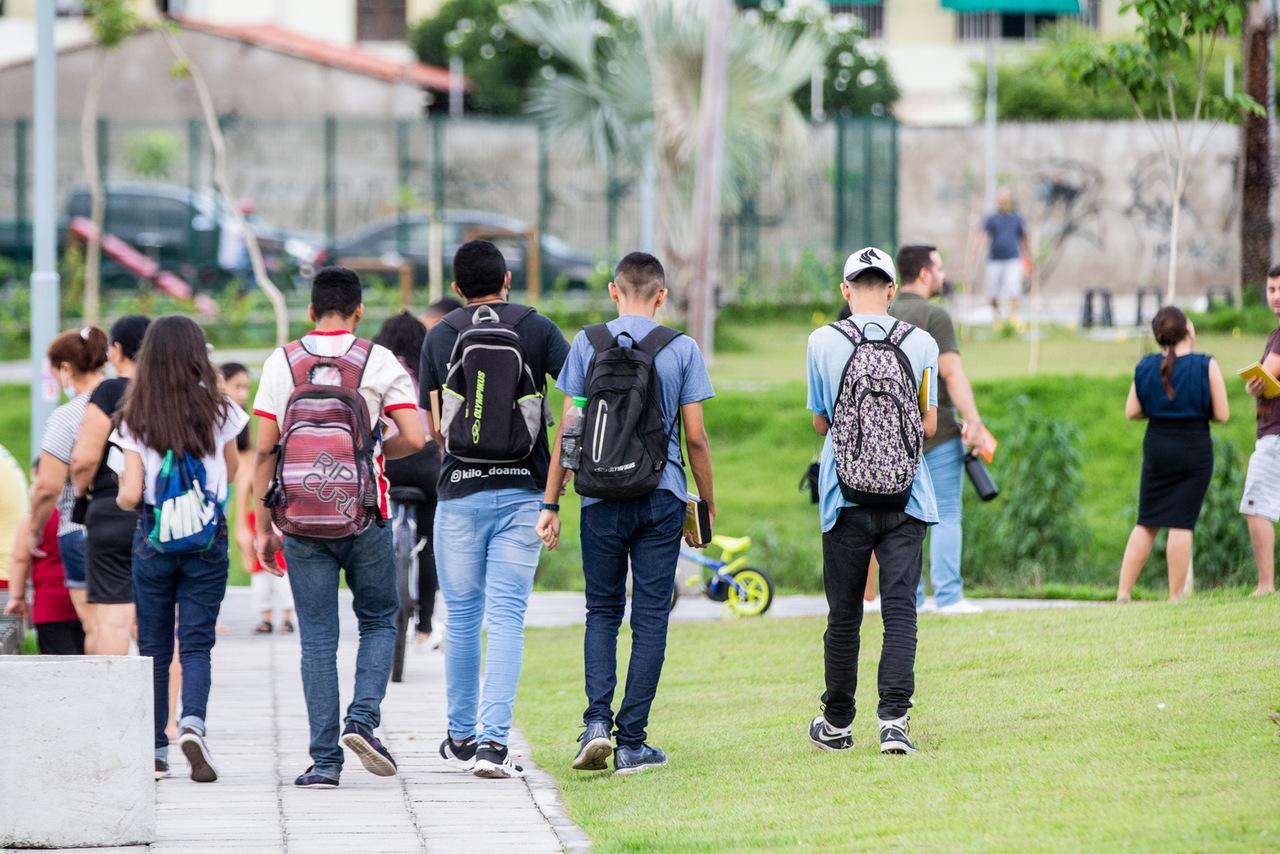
x=1143 y=727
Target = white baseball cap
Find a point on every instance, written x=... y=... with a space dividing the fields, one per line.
x=867 y=259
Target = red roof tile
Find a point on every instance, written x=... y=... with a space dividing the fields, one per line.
x=353 y=59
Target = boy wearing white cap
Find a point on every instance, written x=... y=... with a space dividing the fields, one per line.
x=873 y=395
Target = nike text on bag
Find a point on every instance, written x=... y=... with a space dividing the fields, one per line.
x=624 y=439
x=490 y=408
x=186 y=518
x=876 y=430
x=326 y=483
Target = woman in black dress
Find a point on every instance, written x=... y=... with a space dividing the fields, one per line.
x=1179 y=392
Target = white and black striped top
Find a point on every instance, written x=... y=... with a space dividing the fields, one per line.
x=60 y=434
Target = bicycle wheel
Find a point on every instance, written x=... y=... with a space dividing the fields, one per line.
x=755 y=595
x=403 y=536
x=403 y=621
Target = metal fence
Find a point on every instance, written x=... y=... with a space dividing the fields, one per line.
x=332 y=176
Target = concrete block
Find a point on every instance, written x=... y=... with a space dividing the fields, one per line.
x=78 y=756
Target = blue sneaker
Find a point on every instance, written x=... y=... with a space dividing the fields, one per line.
x=632 y=760
x=360 y=740
x=309 y=779
x=596 y=748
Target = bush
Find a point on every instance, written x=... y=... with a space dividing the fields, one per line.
x=1036 y=530
x=1252 y=319
x=1223 y=554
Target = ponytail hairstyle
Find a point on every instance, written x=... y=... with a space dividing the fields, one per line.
x=1170 y=328
x=82 y=350
x=173 y=402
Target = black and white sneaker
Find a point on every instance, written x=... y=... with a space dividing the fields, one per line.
x=162 y=768
x=459 y=754
x=493 y=760
x=826 y=737
x=893 y=737
x=191 y=743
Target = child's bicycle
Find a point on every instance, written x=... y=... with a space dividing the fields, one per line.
x=747 y=590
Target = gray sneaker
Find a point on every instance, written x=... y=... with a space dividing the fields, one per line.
x=191 y=743
x=596 y=748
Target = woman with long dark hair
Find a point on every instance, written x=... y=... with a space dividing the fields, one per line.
x=95 y=467
x=77 y=357
x=1179 y=392
x=178 y=433
x=403 y=335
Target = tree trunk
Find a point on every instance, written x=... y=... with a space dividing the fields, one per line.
x=1175 y=221
x=219 y=147
x=97 y=194
x=1256 y=145
x=706 y=184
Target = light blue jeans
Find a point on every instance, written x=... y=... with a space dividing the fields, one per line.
x=486 y=554
x=946 y=468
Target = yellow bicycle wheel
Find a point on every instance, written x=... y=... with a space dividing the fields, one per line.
x=752 y=593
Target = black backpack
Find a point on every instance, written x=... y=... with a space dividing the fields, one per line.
x=624 y=440
x=490 y=408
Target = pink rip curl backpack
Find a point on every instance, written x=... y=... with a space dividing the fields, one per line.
x=326 y=481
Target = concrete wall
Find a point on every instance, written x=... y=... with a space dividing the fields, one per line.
x=77 y=768
x=1095 y=194
x=246 y=81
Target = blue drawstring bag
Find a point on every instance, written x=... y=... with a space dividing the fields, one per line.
x=186 y=518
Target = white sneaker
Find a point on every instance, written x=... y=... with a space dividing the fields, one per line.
x=872 y=605
x=960 y=608
x=928 y=607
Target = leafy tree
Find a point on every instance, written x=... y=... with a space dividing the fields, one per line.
x=855 y=82
x=1146 y=71
x=501 y=66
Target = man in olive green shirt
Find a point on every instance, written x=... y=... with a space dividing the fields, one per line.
x=920 y=271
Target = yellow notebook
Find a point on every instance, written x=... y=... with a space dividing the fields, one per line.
x=924 y=392
x=1256 y=371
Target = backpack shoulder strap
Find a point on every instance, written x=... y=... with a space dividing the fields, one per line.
x=459 y=319
x=513 y=313
x=354 y=362
x=849 y=330
x=599 y=336
x=657 y=339
x=300 y=362
x=899 y=332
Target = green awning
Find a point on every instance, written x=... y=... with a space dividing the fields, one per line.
x=1026 y=7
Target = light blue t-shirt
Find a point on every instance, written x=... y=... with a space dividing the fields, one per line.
x=829 y=352
x=681 y=371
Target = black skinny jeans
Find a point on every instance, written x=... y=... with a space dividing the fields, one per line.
x=897 y=541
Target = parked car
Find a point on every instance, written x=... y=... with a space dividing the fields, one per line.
x=394 y=240
x=184 y=231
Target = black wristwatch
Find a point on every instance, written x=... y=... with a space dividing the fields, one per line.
x=552 y=507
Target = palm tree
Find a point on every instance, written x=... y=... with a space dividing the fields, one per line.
x=636 y=88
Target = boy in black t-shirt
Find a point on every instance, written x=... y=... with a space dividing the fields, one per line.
x=486 y=547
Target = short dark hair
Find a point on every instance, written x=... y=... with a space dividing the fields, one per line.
x=335 y=290
x=479 y=269
x=1274 y=272
x=913 y=259
x=232 y=369
x=444 y=305
x=640 y=275
x=128 y=332
x=870 y=278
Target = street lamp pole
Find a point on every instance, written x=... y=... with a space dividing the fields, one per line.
x=44 y=273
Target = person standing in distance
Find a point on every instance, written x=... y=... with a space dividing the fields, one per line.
x=920 y=267
x=1005 y=237
x=1260 y=503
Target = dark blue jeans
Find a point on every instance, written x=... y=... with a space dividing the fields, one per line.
x=644 y=533
x=369 y=561
x=190 y=588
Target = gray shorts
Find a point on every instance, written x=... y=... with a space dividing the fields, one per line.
x=1004 y=279
x=1262 y=483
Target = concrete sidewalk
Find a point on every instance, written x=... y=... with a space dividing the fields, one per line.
x=258 y=737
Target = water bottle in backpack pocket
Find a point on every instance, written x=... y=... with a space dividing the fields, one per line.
x=186 y=513
x=490 y=408
x=624 y=440
x=326 y=481
x=877 y=432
